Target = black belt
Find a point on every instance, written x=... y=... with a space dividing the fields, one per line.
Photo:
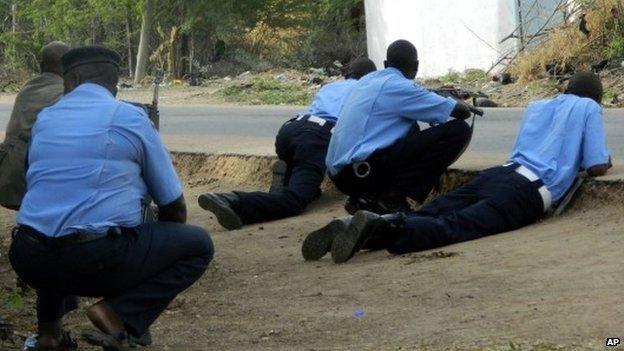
x=62 y=241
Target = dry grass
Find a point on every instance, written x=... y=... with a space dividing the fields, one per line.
x=567 y=46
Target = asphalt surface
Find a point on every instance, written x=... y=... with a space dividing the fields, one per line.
x=251 y=129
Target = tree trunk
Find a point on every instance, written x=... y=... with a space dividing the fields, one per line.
x=129 y=42
x=191 y=53
x=14 y=18
x=146 y=31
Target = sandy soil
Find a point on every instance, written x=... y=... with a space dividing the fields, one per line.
x=552 y=286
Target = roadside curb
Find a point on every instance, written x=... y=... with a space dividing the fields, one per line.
x=254 y=172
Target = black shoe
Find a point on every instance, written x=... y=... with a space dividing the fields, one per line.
x=144 y=340
x=378 y=205
x=108 y=342
x=279 y=173
x=363 y=226
x=221 y=205
x=319 y=242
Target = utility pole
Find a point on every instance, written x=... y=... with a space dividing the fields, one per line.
x=520 y=25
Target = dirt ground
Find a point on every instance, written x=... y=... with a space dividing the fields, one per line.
x=553 y=286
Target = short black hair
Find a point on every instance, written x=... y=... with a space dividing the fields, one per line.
x=586 y=84
x=105 y=74
x=360 y=67
x=401 y=54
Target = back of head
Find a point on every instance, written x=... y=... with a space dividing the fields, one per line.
x=91 y=64
x=51 y=55
x=403 y=56
x=360 y=67
x=585 y=84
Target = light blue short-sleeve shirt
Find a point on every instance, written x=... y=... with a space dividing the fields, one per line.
x=381 y=109
x=92 y=161
x=329 y=100
x=560 y=136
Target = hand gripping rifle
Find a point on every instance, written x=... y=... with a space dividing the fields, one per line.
x=153 y=112
x=462 y=95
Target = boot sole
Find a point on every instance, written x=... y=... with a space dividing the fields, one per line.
x=105 y=341
x=319 y=242
x=346 y=244
x=225 y=215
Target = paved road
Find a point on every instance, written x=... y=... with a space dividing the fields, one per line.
x=234 y=129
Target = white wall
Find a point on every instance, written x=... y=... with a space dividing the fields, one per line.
x=441 y=31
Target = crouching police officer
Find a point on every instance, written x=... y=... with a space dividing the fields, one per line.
x=558 y=138
x=378 y=155
x=92 y=160
x=302 y=144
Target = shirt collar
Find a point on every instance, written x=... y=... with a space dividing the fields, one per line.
x=95 y=89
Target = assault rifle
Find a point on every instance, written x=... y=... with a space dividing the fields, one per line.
x=152 y=109
x=462 y=95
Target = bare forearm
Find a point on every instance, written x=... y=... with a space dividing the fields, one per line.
x=173 y=212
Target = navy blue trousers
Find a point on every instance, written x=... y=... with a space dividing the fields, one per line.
x=303 y=146
x=138 y=272
x=412 y=166
x=496 y=201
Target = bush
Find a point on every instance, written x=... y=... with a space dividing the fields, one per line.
x=568 y=47
x=469 y=76
x=268 y=91
x=615 y=49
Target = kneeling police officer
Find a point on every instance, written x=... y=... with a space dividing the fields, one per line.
x=92 y=161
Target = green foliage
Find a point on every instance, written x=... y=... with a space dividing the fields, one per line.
x=336 y=32
x=76 y=22
x=470 y=76
x=615 y=49
x=288 y=33
x=451 y=77
x=268 y=91
x=12 y=299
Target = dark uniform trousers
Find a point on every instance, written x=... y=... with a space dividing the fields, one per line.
x=138 y=270
x=498 y=200
x=410 y=167
x=302 y=144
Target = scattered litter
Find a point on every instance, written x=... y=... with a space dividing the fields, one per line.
x=415 y=258
x=358 y=314
x=31 y=342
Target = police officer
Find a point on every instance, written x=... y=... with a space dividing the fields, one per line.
x=92 y=160
x=42 y=91
x=378 y=155
x=302 y=144
x=558 y=138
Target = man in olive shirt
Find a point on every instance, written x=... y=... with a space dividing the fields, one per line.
x=40 y=92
